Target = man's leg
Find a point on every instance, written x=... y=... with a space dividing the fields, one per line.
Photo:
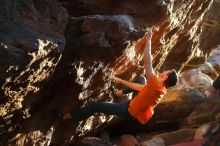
x=120 y=109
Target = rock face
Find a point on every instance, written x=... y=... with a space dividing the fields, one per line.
x=64 y=55
x=31 y=45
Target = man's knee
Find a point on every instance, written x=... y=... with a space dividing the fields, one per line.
x=141 y=79
x=95 y=106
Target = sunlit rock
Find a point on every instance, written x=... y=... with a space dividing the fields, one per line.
x=63 y=56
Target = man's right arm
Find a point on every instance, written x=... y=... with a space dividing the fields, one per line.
x=147 y=55
x=140 y=44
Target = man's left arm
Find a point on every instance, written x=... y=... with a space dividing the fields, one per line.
x=131 y=85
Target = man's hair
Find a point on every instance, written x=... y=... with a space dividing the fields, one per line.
x=171 y=80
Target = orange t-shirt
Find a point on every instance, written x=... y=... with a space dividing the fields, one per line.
x=142 y=106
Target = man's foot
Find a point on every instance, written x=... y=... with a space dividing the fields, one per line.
x=113 y=90
x=58 y=114
x=2 y=121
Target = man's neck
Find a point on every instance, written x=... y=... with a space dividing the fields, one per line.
x=161 y=80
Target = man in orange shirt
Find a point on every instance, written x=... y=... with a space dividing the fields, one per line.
x=141 y=106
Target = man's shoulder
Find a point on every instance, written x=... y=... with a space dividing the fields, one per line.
x=153 y=78
x=156 y=84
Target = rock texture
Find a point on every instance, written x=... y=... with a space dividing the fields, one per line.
x=63 y=55
x=31 y=45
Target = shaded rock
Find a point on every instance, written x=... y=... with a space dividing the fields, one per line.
x=176 y=137
x=217 y=117
x=98 y=33
x=91 y=141
x=207 y=111
x=213 y=60
x=139 y=10
x=211 y=25
x=35 y=138
x=200 y=132
x=128 y=140
x=31 y=43
x=191 y=143
x=153 y=142
x=204 y=113
x=104 y=136
x=213 y=133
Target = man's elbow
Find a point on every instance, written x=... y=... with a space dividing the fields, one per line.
x=140 y=87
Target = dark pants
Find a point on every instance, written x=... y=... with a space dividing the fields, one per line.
x=119 y=109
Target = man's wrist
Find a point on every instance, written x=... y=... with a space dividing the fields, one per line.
x=120 y=81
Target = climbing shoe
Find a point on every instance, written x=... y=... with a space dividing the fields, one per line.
x=58 y=114
x=113 y=90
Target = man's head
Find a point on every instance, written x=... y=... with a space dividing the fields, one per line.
x=169 y=78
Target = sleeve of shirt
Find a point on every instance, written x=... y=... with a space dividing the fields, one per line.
x=151 y=81
x=216 y=83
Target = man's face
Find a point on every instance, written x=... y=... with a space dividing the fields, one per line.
x=164 y=74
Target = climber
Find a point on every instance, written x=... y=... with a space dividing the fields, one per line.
x=212 y=89
x=141 y=106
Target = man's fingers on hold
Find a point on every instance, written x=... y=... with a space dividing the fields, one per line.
x=207 y=94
